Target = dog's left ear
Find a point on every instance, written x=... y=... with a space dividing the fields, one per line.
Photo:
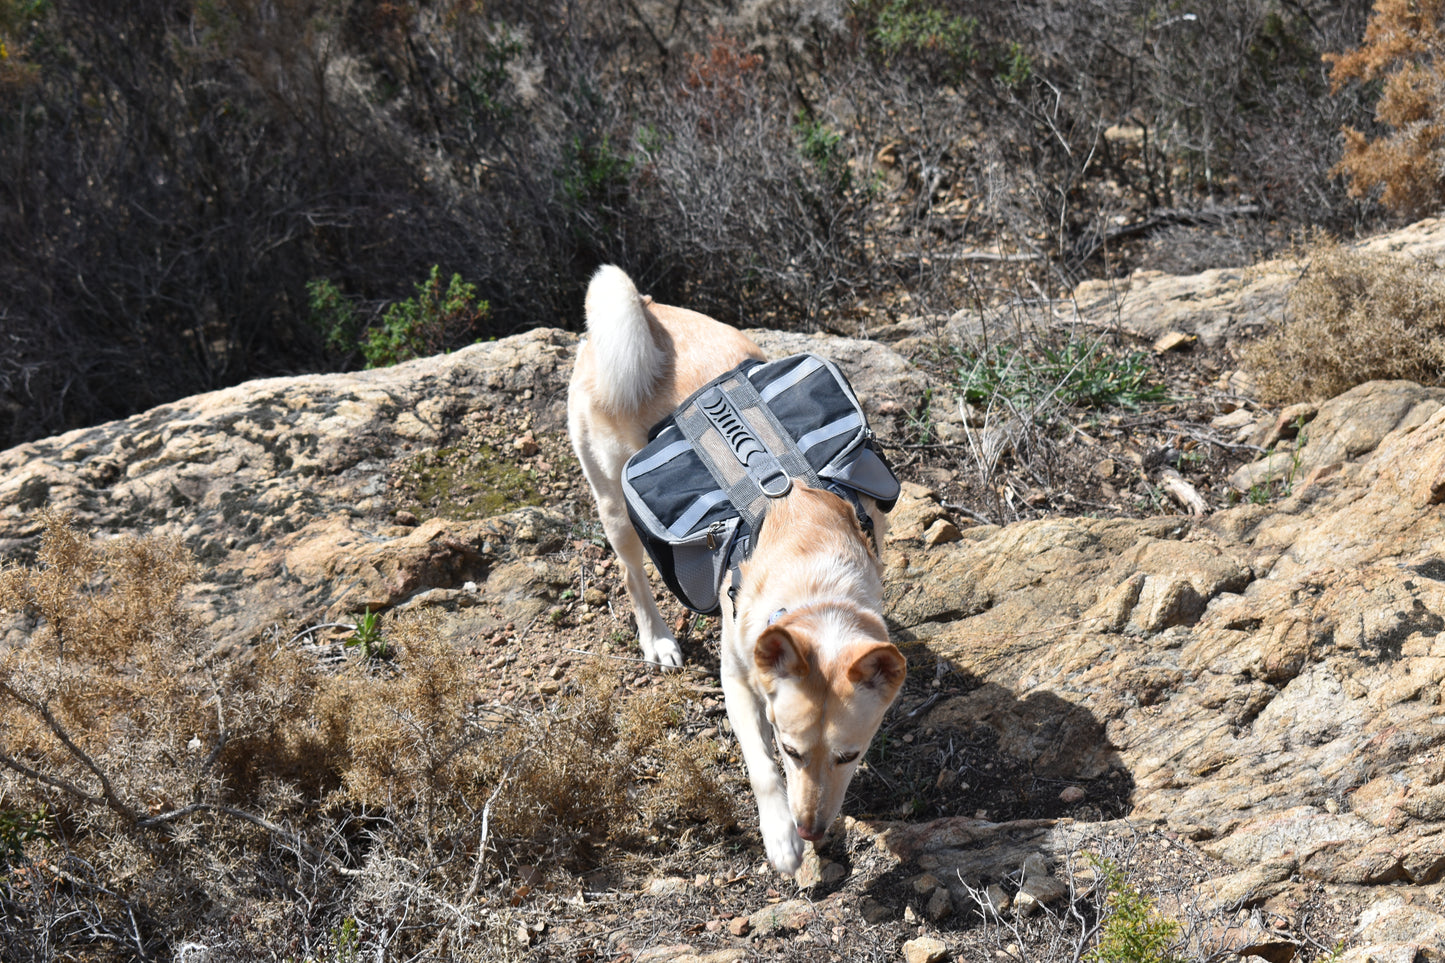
x=882 y=668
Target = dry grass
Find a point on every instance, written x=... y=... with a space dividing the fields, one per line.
x=1354 y=318
x=258 y=803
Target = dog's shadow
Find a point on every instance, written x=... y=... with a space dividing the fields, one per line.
x=956 y=746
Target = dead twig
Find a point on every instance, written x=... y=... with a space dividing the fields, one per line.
x=1182 y=492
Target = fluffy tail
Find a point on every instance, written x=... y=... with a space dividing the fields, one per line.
x=629 y=359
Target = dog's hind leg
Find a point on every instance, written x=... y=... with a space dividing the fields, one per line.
x=657 y=642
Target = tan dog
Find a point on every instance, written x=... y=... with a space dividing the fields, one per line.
x=805 y=652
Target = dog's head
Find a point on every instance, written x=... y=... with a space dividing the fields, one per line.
x=830 y=673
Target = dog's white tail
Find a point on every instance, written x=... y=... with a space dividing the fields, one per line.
x=629 y=359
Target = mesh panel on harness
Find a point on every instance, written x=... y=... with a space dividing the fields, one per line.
x=701 y=486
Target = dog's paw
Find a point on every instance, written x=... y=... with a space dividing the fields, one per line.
x=666 y=652
x=784 y=845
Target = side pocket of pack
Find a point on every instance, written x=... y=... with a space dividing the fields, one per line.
x=698 y=565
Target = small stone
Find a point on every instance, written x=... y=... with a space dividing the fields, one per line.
x=925 y=949
x=739 y=926
x=667 y=886
x=595 y=597
x=811 y=872
x=794 y=914
x=1234 y=420
x=1072 y=794
x=998 y=900
x=941 y=532
x=1173 y=341
x=940 y=905
x=874 y=912
x=1036 y=892
x=833 y=872
x=1035 y=866
x=406 y=518
x=1105 y=468
x=663 y=954
x=925 y=884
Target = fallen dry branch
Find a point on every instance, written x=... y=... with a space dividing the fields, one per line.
x=1182 y=492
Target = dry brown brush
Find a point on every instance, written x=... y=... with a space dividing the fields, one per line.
x=257 y=805
x=1353 y=317
x=1403 y=54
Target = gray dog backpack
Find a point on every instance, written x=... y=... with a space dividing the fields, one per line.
x=701 y=487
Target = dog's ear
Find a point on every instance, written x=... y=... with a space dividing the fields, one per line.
x=881 y=667
x=779 y=655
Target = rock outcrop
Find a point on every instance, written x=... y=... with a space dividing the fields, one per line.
x=1270 y=676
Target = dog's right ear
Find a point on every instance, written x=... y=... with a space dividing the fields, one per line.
x=778 y=654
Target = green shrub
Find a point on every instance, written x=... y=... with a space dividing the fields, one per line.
x=594 y=171
x=332 y=314
x=1132 y=931
x=18 y=827
x=433 y=321
x=914 y=26
x=822 y=147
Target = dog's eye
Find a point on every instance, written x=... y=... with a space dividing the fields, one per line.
x=846 y=758
x=793 y=753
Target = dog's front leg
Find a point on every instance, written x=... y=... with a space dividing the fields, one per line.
x=748 y=715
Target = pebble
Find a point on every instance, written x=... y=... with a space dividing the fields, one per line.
x=940 y=905
x=925 y=949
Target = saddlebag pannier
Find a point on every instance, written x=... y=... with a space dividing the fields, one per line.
x=701 y=486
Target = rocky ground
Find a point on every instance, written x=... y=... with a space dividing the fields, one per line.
x=1188 y=636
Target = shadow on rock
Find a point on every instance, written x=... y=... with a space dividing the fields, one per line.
x=966 y=782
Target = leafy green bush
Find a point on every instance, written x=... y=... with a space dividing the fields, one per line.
x=432 y=321
x=1131 y=931
x=915 y=26
x=822 y=147
x=18 y=827
x=333 y=315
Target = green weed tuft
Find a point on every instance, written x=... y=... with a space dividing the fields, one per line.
x=1077 y=374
